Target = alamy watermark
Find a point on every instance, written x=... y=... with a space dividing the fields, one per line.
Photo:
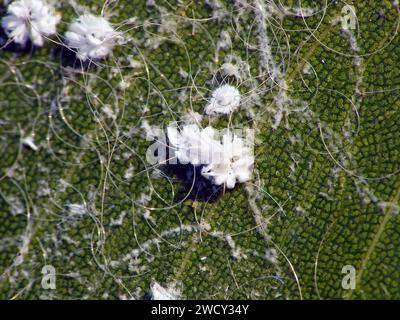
x=349 y=18
x=349 y=280
x=49 y=277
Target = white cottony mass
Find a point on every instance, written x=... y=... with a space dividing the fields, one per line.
x=192 y=144
x=92 y=37
x=225 y=161
x=224 y=100
x=235 y=165
x=30 y=20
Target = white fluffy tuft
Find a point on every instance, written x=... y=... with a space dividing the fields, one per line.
x=224 y=161
x=192 y=144
x=30 y=20
x=91 y=37
x=224 y=100
x=235 y=163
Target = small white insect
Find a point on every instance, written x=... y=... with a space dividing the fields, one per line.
x=224 y=100
x=192 y=144
x=234 y=164
x=92 y=37
x=224 y=161
x=30 y=20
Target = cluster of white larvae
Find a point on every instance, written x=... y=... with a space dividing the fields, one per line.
x=91 y=37
x=224 y=160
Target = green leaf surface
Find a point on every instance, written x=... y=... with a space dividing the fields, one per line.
x=325 y=193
